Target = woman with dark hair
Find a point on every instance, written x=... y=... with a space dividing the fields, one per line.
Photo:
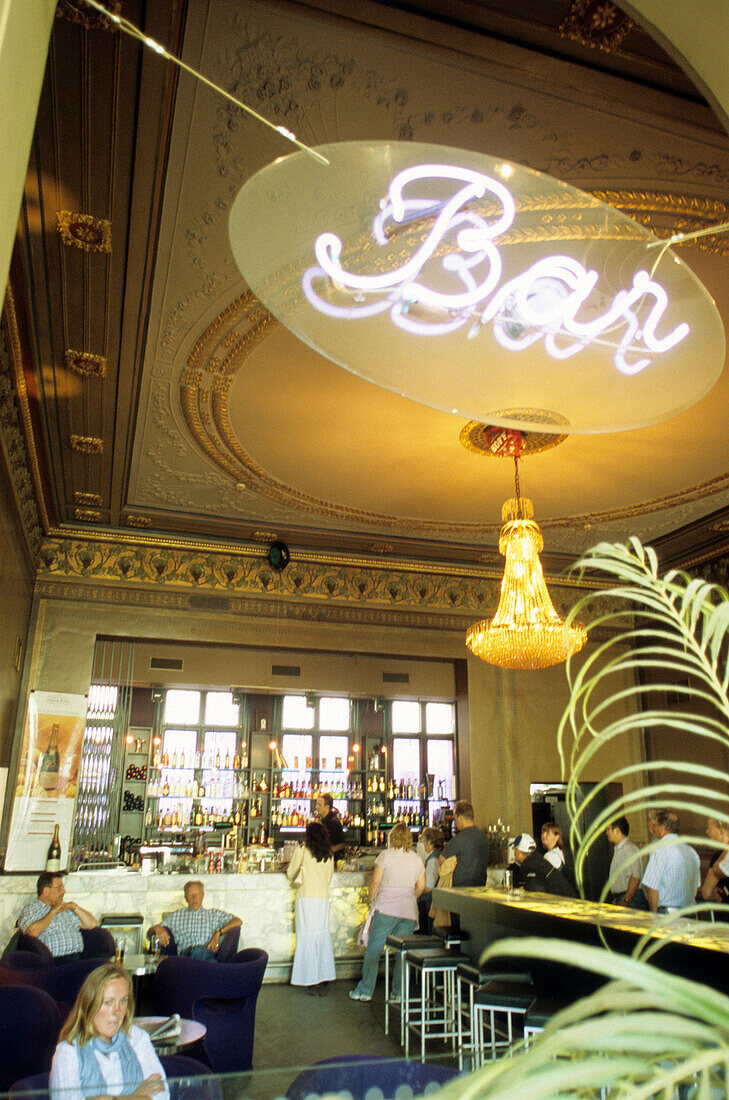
x=553 y=844
x=100 y=1052
x=311 y=870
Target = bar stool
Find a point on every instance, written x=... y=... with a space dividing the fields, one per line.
x=450 y=936
x=494 y=1000
x=468 y=980
x=539 y=1014
x=434 y=1010
x=400 y=945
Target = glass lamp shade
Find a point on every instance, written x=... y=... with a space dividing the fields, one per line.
x=478 y=287
x=526 y=632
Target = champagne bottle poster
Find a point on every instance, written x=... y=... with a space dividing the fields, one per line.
x=45 y=788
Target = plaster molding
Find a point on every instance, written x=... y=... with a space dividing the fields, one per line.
x=16 y=431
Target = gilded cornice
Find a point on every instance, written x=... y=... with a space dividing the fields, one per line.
x=141 y=544
x=17 y=435
x=196 y=578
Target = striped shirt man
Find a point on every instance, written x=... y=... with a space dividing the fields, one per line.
x=672 y=874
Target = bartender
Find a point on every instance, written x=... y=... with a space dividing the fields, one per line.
x=331 y=822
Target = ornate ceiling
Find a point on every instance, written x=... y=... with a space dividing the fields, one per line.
x=163 y=396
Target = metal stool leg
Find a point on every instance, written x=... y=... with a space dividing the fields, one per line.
x=387 y=989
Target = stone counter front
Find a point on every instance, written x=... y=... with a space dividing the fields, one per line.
x=264 y=902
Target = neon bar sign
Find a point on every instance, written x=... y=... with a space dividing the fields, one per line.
x=542 y=303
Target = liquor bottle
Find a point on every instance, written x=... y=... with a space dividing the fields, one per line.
x=217 y=759
x=166 y=789
x=263 y=785
x=50 y=762
x=53 y=859
x=262 y=834
x=236 y=762
x=182 y=759
x=165 y=760
x=382 y=784
x=227 y=761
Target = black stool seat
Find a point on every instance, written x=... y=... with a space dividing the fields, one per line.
x=467 y=972
x=403 y=943
x=435 y=958
x=470 y=973
x=496 y=994
x=500 y=970
x=542 y=1010
x=448 y=932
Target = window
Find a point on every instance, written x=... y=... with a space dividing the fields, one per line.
x=439 y=757
x=297 y=714
x=333 y=714
x=220 y=710
x=440 y=718
x=406 y=769
x=182 y=708
x=405 y=716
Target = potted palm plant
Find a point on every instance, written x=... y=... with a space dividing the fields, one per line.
x=645 y=1032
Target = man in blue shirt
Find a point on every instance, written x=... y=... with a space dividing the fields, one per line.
x=56 y=923
x=672 y=876
x=197 y=931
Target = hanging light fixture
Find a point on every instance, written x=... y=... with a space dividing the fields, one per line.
x=526 y=631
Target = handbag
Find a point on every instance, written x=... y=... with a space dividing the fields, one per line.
x=363 y=936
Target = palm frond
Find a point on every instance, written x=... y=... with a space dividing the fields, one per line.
x=645 y=1032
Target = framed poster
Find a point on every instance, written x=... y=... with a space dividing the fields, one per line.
x=45 y=789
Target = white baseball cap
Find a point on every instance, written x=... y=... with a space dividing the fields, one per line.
x=525 y=843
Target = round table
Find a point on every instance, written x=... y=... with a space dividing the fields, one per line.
x=190 y=1032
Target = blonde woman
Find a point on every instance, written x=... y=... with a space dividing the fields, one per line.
x=398 y=880
x=100 y=1052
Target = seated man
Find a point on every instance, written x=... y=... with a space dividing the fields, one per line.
x=56 y=922
x=535 y=873
x=197 y=931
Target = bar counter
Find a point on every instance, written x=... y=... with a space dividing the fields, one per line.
x=264 y=902
x=693 y=949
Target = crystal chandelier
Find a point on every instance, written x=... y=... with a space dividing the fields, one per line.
x=526 y=631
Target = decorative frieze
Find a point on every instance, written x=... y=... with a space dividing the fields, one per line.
x=316 y=588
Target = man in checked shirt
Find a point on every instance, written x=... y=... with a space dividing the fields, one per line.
x=197 y=931
x=56 y=922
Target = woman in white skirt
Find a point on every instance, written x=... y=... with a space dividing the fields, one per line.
x=311 y=870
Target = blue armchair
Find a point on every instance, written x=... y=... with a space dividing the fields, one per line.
x=29 y=1026
x=228 y=944
x=98 y=944
x=358 y=1073
x=223 y=998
